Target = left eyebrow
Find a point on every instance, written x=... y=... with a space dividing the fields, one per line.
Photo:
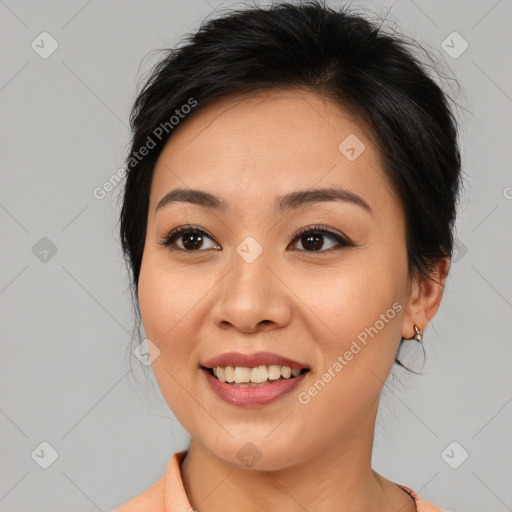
x=290 y=201
x=306 y=197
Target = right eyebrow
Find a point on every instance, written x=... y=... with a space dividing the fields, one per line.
x=199 y=197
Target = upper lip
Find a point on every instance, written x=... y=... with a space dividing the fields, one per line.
x=252 y=360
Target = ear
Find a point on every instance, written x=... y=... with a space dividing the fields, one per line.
x=424 y=298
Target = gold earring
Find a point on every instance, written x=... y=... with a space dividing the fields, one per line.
x=419 y=334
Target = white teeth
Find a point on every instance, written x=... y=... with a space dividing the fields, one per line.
x=229 y=374
x=285 y=371
x=257 y=375
x=242 y=374
x=274 y=372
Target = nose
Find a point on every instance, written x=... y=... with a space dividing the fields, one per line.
x=251 y=297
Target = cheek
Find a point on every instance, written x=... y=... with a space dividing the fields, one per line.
x=166 y=300
x=351 y=298
x=164 y=317
x=167 y=294
x=173 y=305
x=358 y=322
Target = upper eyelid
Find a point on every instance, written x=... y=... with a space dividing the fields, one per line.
x=297 y=232
x=326 y=231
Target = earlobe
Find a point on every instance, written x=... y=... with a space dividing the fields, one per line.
x=425 y=299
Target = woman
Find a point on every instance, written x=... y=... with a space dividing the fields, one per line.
x=287 y=219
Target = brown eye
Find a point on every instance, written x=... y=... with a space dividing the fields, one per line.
x=312 y=239
x=191 y=238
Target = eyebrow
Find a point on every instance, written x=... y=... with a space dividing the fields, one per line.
x=283 y=204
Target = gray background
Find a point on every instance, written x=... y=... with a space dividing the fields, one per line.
x=66 y=324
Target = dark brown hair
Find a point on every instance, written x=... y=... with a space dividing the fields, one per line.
x=335 y=53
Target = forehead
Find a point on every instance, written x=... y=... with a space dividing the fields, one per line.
x=268 y=143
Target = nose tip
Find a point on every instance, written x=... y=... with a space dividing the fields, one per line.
x=251 y=299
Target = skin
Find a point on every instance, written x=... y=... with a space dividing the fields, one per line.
x=302 y=304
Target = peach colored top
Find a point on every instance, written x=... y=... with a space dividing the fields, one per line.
x=168 y=494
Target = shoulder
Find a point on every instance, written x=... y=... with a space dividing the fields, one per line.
x=421 y=506
x=150 y=500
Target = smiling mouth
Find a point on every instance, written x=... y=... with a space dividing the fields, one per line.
x=244 y=376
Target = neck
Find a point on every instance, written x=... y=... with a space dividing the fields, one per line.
x=337 y=477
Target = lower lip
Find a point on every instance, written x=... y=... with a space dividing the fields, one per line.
x=251 y=396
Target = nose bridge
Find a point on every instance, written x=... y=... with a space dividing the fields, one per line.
x=251 y=273
x=251 y=292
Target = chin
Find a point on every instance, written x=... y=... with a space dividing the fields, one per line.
x=256 y=452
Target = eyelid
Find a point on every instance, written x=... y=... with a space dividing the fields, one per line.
x=185 y=228
x=341 y=239
x=324 y=230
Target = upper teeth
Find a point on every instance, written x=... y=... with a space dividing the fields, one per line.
x=258 y=374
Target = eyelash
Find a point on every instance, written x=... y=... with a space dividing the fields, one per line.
x=317 y=229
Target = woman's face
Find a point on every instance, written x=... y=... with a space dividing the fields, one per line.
x=246 y=284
